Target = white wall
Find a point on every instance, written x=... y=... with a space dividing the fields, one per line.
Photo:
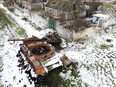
x=72 y=35
x=64 y=33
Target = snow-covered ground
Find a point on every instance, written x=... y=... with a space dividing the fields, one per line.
x=96 y=65
x=96 y=55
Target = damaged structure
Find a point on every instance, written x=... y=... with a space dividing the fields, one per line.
x=64 y=10
x=69 y=18
x=105 y=16
x=75 y=29
x=32 y=4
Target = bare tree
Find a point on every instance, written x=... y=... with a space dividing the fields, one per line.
x=6 y=21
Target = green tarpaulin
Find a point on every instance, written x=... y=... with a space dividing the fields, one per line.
x=52 y=24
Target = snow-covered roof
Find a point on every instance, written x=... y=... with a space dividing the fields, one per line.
x=101 y=15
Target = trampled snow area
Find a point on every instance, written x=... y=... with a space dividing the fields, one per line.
x=96 y=66
x=96 y=55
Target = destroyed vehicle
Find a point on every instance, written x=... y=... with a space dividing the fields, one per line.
x=39 y=55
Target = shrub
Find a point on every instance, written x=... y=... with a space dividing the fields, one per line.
x=5 y=20
x=1 y=85
x=107 y=5
x=105 y=46
x=20 y=31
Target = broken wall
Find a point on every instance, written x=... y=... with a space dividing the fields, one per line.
x=64 y=33
x=32 y=6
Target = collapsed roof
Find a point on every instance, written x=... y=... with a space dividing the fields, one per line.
x=93 y=5
x=78 y=24
x=63 y=5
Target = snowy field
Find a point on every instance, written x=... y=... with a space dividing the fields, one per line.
x=95 y=56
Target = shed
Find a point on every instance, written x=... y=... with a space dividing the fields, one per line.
x=32 y=4
x=103 y=20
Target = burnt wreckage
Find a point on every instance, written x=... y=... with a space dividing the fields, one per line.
x=40 y=53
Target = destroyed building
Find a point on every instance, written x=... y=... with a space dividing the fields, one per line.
x=64 y=9
x=31 y=4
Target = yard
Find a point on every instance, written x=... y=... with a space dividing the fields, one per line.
x=94 y=57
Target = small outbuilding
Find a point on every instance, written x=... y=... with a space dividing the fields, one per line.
x=32 y=4
x=64 y=9
x=102 y=20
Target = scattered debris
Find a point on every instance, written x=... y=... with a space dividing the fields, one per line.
x=109 y=40
x=53 y=38
x=66 y=62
